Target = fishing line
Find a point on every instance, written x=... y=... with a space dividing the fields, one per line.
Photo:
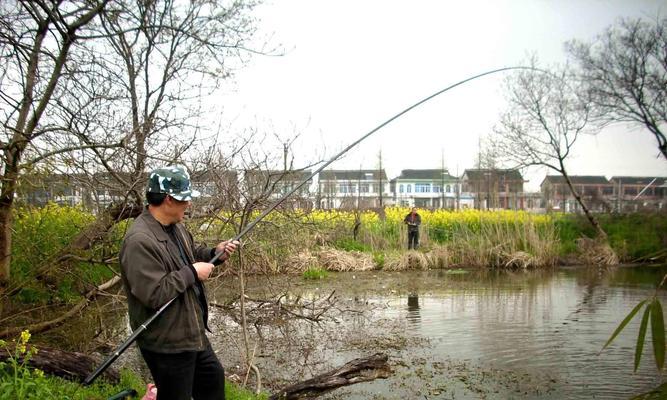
x=89 y=380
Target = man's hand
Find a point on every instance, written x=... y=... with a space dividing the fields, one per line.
x=228 y=246
x=203 y=270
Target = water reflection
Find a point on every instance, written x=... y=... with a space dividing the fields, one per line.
x=413 y=309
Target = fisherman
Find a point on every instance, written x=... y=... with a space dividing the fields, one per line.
x=413 y=220
x=159 y=261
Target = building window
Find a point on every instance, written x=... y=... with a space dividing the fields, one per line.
x=422 y=187
x=400 y=188
x=364 y=188
x=448 y=189
x=342 y=188
x=437 y=188
x=409 y=188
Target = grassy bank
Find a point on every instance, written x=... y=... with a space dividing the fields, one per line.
x=18 y=381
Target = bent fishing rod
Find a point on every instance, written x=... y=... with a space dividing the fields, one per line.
x=222 y=255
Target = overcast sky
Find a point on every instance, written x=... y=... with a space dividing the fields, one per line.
x=350 y=65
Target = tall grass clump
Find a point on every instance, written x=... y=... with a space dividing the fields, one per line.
x=315 y=273
x=500 y=244
x=633 y=237
x=472 y=238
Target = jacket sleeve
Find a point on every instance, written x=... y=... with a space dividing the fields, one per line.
x=147 y=274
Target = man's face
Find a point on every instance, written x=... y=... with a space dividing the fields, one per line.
x=177 y=209
x=414 y=210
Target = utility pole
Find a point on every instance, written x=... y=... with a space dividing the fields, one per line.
x=458 y=189
x=380 y=186
x=285 y=157
x=442 y=179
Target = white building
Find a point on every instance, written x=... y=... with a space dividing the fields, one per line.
x=426 y=188
x=348 y=189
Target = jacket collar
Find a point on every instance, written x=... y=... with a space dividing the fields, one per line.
x=154 y=226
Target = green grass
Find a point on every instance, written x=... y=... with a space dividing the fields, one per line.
x=630 y=235
x=349 y=244
x=233 y=392
x=315 y=273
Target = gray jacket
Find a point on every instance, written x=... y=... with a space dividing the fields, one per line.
x=153 y=273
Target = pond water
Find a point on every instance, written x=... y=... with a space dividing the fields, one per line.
x=477 y=334
x=448 y=334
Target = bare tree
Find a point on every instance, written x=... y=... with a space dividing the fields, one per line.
x=166 y=59
x=625 y=74
x=37 y=39
x=544 y=120
x=109 y=89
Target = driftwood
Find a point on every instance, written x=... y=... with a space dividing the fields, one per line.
x=355 y=371
x=69 y=365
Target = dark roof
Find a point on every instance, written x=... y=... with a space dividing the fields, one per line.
x=279 y=175
x=353 y=175
x=577 y=179
x=480 y=174
x=639 y=180
x=212 y=175
x=431 y=174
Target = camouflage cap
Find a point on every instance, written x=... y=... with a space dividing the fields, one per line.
x=172 y=180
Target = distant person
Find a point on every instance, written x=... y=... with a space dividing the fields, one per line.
x=413 y=220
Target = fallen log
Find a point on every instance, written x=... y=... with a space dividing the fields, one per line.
x=355 y=371
x=74 y=366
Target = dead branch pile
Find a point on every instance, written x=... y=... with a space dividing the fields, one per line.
x=596 y=252
x=279 y=308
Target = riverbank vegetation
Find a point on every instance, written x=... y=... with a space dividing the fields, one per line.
x=304 y=244
x=334 y=240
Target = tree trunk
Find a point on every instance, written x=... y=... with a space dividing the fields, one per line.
x=601 y=234
x=104 y=222
x=6 y=220
x=69 y=365
x=5 y=242
x=355 y=371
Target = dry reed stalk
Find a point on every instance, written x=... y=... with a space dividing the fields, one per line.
x=298 y=263
x=439 y=257
x=596 y=252
x=521 y=259
x=408 y=260
x=340 y=260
